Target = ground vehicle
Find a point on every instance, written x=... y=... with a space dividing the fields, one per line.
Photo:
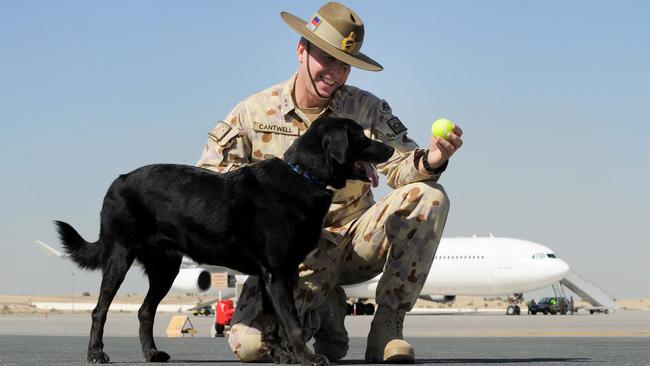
x=551 y=305
x=205 y=310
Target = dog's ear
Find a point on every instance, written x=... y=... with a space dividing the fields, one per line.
x=335 y=144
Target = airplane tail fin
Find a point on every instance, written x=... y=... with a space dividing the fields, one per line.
x=86 y=255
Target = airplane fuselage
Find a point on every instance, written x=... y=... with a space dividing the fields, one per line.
x=483 y=266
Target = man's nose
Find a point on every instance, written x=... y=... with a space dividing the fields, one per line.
x=338 y=67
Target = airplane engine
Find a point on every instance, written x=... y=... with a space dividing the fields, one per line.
x=192 y=280
x=439 y=298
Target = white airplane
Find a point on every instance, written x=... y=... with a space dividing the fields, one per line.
x=483 y=266
x=192 y=277
x=462 y=266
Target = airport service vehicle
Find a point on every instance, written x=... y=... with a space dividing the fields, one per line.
x=205 y=310
x=553 y=305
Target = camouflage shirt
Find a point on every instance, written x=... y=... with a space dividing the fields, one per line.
x=264 y=125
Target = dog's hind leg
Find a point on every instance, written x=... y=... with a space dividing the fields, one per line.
x=113 y=272
x=161 y=270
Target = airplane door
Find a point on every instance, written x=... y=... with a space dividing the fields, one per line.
x=502 y=269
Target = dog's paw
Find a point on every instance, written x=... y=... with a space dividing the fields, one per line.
x=318 y=360
x=280 y=354
x=97 y=357
x=157 y=356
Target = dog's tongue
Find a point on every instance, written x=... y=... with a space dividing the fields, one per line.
x=371 y=173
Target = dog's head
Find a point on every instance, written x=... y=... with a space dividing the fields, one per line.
x=335 y=150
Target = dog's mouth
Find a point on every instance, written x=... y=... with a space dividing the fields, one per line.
x=366 y=172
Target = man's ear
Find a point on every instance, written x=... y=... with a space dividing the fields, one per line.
x=300 y=51
x=335 y=145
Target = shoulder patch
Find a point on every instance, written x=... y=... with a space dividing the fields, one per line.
x=396 y=125
x=219 y=131
x=384 y=107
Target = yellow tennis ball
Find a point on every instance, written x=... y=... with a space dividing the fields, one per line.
x=441 y=127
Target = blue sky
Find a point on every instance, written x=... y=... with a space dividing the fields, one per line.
x=554 y=99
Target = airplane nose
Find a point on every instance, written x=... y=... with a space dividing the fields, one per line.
x=561 y=268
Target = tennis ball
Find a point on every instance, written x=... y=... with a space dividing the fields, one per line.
x=441 y=127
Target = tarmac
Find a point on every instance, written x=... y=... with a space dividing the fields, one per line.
x=622 y=338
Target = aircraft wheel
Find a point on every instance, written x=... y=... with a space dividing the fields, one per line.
x=369 y=309
x=545 y=312
x=512 y=310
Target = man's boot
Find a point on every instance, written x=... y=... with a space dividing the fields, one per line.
x=332 y=339
x=385 y=340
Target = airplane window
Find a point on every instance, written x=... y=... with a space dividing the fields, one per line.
x=539 y=255
x=551 y=255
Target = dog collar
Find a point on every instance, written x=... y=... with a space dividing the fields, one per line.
x=310 y=178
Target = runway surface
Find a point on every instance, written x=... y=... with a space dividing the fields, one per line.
x=622 y=338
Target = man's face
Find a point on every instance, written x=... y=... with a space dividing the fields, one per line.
x=327 y=72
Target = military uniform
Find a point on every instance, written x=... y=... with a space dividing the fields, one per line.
x=397 y=235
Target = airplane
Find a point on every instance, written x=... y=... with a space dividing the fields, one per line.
x=483 y=266
x=462 y=266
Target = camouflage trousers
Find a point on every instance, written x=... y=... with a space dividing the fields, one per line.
x=398 y=235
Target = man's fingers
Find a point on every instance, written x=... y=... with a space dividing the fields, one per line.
x=446 y=147
x=458 y=131
x=455 y=140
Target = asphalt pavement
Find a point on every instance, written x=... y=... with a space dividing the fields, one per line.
x=62 y=350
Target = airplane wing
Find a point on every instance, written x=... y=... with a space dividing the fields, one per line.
x=49 y=251
x=186 y=263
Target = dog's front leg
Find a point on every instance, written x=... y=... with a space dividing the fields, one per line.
x=281 y=295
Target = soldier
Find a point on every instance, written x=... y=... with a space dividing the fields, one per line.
x=397 y=236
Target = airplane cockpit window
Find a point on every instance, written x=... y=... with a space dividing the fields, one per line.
x=543 y=255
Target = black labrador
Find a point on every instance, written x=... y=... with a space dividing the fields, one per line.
x=262 y=219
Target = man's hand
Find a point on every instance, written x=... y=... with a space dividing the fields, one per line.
x=440 y=150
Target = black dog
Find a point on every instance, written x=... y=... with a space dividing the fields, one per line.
x=262 y=219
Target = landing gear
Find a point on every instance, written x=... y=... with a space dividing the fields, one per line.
x=360 y=308
x=513 y=310
x=515 y=300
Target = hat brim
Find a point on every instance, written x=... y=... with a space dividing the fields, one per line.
x=357 y=60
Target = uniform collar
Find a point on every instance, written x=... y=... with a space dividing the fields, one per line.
x=287 y=105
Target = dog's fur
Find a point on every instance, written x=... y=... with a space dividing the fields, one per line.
x=262 y=219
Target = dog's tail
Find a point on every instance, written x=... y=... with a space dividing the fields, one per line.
x=86 y=255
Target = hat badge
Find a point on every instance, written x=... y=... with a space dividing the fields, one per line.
x=347 y=43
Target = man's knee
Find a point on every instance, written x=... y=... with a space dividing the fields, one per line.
x=427 y=195
x=246 y=343
x=431 y=191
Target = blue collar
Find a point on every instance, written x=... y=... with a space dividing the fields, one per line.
x=310 y=178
